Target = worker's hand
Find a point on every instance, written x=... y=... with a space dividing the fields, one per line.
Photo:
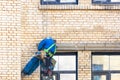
x=41 y=57
x=40 y=54
x=43 y=52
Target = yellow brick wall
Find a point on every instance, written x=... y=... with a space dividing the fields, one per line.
x=67 y=26
x=84 y=65
x=23 y=24
x=10 y=46
x=83 y=25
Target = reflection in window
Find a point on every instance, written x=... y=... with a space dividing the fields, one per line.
x=96 y=67
x=100 y=62
x=96 y=78
x=99 y=77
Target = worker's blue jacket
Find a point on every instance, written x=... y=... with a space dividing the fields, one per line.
x=46 y=43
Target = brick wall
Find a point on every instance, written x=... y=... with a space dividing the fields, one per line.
x=83 y=25
x=10 y=46
x=23 y=24
x=84 y=67
x=67 y=26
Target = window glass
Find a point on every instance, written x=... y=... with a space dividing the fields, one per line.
x=99 y=77
x=67 y=63
x=67 y=76
x=115 y=62
x=106 y=1
x=64 y=63
x=100 y=0
x=100 y=62
x=115 y=0
x=67 y=1
x=106 y=66
x=115 y=76
x=49 y=0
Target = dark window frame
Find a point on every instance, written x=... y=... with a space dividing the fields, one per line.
x=57 y=73
x=107 y=2
x=57 y=2
x=103 y=72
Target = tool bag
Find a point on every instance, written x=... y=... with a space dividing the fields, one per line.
x=32 y=65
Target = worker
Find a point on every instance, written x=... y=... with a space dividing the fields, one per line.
x=48 y=45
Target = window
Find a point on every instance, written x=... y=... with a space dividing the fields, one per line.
x=66 y=66
x=106 y=66
x=48 y=2
x=106 y=1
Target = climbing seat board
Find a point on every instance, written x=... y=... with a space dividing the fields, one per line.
x=31 y=66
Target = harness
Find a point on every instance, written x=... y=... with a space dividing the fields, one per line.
x=48 y=52
x=49 y=61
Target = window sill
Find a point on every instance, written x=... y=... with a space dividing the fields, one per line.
x=88 y=46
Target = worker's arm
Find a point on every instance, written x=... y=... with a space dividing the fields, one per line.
x=41 y=45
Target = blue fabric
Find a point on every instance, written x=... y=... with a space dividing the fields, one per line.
x=46 y=43
x=32 y=65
